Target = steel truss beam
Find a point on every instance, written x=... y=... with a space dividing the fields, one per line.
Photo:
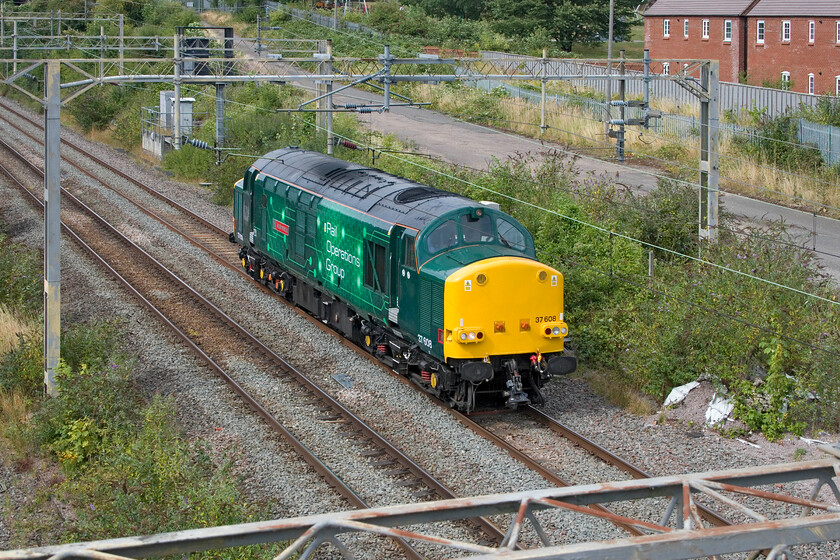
x=680 y=533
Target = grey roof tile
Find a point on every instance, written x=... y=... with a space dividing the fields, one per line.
x=794 y=8
x=700 y=7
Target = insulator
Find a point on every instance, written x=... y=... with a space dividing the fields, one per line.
x=351 y=106
x=348 y=144
x=365 y=110
x=198 y=144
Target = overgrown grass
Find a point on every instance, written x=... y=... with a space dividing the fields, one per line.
x=127 y=467
x=643 y=335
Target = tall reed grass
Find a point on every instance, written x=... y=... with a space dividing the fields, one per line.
x=574 y=125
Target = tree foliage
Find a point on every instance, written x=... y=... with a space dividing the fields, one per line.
x=466 y=9
x=566 y=21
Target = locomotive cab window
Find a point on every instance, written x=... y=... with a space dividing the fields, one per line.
x=375 y=277
x=477 y=229
x=509 y=234
x=443 y=237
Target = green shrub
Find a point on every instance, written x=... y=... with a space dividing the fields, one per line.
x=98 y=107
x=21 y=279
x=22 y=369
x=150 y=480
x=667 y=217
x=776 y=142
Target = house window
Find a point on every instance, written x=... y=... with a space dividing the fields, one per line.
x=838 y=32
x=786 y=31
x=837 y=86
x=811 y=84
x=759 y=31
x=705 y=29
x=666 y=68
x=785 y=80
x=727 y=30
x=685 y=29
x=666 y=28
x=812 y=31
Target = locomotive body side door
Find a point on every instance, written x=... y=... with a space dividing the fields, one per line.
x=245 y=223
x=259 y=204
x=238 y=216
x=406 y=282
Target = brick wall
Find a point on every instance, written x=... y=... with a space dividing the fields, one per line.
x=695 y=46
x=798 y=56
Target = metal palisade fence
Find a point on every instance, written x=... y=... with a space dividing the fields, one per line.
x=825 y=138
x=733 y=97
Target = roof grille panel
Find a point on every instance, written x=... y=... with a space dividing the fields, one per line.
x=417 y=193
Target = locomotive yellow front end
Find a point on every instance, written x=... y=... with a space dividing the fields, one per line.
x=503 y=321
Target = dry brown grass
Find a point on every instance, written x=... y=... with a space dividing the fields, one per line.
x=10 y=327
x=575 y=126
x=621 y=394
x=13 y=409
x=739 y=174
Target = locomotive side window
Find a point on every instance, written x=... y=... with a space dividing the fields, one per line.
x=477 y=230
x=509 y=234
x=443 y=237
x=375 y=266
x=408 y=255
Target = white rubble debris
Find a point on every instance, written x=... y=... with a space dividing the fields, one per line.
x=718 y=410
x=678 y=394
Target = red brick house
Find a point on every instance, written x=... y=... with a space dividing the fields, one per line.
x=794 y=42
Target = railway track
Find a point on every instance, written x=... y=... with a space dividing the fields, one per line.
x=204 y=328
x=201 y=233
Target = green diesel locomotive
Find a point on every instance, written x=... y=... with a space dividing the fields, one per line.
x=445 y=290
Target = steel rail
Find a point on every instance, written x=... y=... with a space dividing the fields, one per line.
x=332 y=479
x=515 y=452
x=109 y=167
x=537 y=415
x=194 y=239
x=307 y=455
x=609 y=457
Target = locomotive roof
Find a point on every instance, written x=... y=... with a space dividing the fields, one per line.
x=385 y=196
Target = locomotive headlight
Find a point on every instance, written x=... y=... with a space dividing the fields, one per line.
x=554 y=330
x=469 y=335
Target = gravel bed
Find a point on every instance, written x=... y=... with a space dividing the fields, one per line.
x=676 y=441
x=468 y=464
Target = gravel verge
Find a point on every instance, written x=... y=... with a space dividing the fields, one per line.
x=470 y=465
